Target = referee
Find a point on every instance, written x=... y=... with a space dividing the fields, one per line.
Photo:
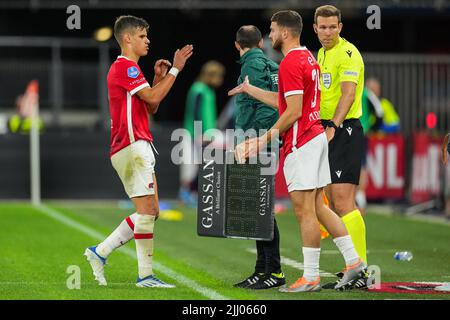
x=342 y=84
x=252 y=114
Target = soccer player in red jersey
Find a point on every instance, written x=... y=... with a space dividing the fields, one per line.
x=305 y=145
x=131 y=99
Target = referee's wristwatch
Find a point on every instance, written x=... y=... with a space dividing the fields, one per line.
x=332 y=124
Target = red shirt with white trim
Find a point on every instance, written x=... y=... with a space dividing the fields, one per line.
x=299 y=73
x=129 y=115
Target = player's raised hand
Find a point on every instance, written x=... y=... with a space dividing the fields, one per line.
x=242 y=88
x=161 y=67
x=181 y=56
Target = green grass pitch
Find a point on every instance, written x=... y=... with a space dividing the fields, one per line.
x=37 y=247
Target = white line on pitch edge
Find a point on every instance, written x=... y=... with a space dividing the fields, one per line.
x=207 y=292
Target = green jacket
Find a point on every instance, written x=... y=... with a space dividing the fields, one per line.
x=262 y=73
x=200 y=106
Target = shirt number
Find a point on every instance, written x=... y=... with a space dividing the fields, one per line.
x=315 y=78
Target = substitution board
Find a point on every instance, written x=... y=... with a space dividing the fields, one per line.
x=235 y=200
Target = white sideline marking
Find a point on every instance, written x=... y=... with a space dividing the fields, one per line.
x=25 y=283
x=297 y=265
x=209 y=293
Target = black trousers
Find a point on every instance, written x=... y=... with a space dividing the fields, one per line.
x=268 y=254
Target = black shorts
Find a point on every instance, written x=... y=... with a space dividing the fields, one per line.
x=345 y=152
x=364 y=153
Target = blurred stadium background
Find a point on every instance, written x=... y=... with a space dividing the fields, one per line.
x=410 y=55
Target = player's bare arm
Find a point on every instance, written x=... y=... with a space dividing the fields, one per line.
x=288 y=118
x=269 y=98
x=348 y=90
x=293 y=112
x=153 y=96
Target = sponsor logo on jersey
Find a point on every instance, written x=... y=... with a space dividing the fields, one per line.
x=134 y=82
x=338 y=173
x=274 y=79
x=133 y=72
x=351 y=73
x=349 y=53
x=326 y=80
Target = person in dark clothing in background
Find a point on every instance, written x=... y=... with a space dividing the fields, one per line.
x=200 y=106
x=252 y=114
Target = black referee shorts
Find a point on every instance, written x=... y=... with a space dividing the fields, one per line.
x=345 y=152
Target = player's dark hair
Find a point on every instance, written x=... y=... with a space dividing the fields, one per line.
x=327 y=11
x=132 y=23
x=289 y=19
x=248 y=36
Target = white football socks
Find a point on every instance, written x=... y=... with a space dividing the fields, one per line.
x=347 y=249
x=143 y=236
x=311 y=257
x=121 y=235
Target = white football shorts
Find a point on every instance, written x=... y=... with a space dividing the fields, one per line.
x=135 y=165
x=307 y=167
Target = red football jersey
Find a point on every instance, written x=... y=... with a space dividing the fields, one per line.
x=129 y=115
x=299 y=73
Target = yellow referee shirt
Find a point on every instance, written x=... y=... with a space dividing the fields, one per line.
x=341 y=63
